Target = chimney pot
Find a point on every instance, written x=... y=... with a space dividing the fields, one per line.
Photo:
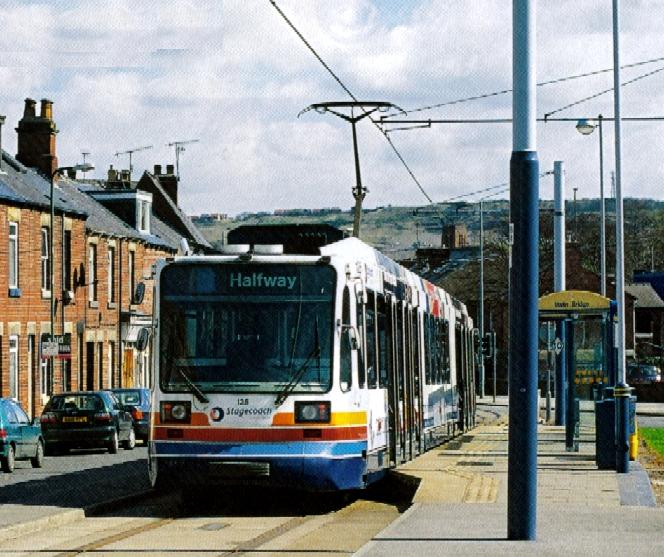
x=157 y=169
x=36 y=138
x=29 y=110
x=112 y=174
x=46 y=109
x=170 y=169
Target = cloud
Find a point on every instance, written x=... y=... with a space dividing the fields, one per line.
x=234 y=75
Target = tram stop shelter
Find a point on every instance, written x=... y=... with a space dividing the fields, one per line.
x=575 y=327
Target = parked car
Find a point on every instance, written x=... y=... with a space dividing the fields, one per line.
x=137 y=401
x=643 y=374
x=86 y=419
x=20 y=438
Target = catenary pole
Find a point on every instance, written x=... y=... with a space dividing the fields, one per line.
x=524 y=282
x=559 y=285
x=621 y=392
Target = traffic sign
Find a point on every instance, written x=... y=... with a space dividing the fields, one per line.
x=558 y=345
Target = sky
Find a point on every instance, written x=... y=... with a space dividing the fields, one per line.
x=233 y=75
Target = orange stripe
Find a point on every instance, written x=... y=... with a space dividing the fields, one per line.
x=282 y=419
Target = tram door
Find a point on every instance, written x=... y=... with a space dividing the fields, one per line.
x=410 y=395
x=393 y=381
x=461 y=374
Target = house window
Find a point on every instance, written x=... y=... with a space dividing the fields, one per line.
x=45 y=261
x=13 y=255
x=111 y=275
x=43 y=375
x=92 y=273
x=130 y=270
x=13 y=366
x=111 y=363
x=143 y=209
x=67 y=260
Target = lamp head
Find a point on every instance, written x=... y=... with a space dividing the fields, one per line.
x=84 y=167
x=585 y=126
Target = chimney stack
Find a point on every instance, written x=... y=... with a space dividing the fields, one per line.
x=36 y=138
x=168 y=181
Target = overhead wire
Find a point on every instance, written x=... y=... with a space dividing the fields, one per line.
x=352 y=96
x=540 y=84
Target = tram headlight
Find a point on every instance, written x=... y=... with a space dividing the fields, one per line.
x=312 y=412
x=175 y=411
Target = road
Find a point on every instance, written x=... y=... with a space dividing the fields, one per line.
x=72 y=481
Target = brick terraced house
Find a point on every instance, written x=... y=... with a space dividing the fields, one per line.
x=106 y=236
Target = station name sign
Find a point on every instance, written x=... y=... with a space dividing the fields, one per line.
x=574 y=301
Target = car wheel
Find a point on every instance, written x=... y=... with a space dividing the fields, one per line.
x=8 y=461
x=37 y=461
x=130 y=443
x=114 y=443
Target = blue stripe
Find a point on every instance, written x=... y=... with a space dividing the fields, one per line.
x=298 y=448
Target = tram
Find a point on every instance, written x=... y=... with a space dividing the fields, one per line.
x=312 y=370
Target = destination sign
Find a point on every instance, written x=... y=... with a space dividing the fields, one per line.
x=233 y=279
x=258 y=280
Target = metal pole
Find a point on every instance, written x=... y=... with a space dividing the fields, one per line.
x=51 y=272
x=559 y=284
x=576 y=227
x=524 y=282
x=622 y=392
x=358 y=191
x=602 y=209
x=571 y=421
x=481 y=300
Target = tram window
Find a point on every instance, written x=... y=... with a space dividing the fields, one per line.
x=435 y=350
x=427 y=351
x=401 y=352
x=445 y=351
x=361 y=369
x=383 y=343
x=372 y=364
x=416 y=350
x=345 y=360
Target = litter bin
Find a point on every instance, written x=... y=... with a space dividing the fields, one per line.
x=605 y=434
x=633 y=430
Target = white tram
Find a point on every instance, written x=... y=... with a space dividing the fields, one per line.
x=316 y=371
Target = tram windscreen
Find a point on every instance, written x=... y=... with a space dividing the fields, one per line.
x=233 y=327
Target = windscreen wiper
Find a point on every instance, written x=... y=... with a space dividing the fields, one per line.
x=297 y=376
x=193 y=387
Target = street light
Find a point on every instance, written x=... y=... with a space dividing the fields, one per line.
x=586 y=127
x=85 y=167
x=367 y=108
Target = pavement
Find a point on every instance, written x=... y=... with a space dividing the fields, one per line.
x=460 y=506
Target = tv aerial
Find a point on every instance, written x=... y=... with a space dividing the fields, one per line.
x=179 y=148
x=130 y=152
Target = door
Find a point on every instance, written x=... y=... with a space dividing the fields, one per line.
x=89 y=366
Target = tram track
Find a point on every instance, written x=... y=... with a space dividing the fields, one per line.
x=300 y=523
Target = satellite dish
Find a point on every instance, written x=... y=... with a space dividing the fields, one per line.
x=142 y=339
x=139 y=293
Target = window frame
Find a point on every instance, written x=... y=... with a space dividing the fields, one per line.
x=92 y=273
x=13 y=255
x=14 y=385
x=45 y=259
x=110 y=282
